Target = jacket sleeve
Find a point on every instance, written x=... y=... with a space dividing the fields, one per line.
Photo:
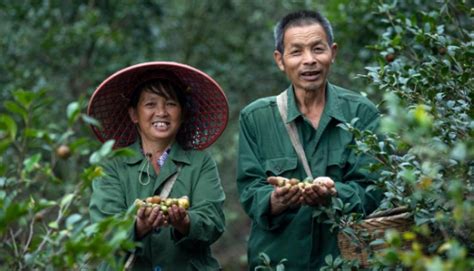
x=108 y=197
x=206 y=212
x=254 y=190
x=357 y=177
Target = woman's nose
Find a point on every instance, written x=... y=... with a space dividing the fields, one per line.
x=161 y=110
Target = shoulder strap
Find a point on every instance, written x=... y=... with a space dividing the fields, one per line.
x=282 y=102
x=169 y=183
x=163 y=194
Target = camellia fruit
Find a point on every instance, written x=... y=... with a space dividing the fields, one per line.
x=63 y=151
x=152 y=202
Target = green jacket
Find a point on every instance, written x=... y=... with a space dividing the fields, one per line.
x=265 y=150
x=198 y=179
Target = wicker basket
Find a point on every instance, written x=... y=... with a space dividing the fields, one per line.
x=375 y=226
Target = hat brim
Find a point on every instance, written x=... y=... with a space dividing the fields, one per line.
x=204 y=124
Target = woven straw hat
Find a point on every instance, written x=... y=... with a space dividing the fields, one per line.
x=207 y=112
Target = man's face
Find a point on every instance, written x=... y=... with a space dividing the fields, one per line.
x=307 y=57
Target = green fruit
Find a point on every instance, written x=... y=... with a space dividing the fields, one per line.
x=164 y=209
x=139 y=203
x=183 y=202
x=168 y=202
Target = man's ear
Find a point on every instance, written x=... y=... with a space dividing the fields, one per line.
x=334 y=51
x=133 y=114
x=279 y=60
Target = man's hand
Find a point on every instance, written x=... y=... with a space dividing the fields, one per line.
x=283 y=197
x=319 y=192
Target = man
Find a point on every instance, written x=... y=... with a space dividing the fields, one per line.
x=284 y=225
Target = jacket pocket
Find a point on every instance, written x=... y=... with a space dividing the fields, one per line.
x=278 y=166
x=336 y=164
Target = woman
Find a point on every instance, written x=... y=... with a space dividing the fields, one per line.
x=167 y=113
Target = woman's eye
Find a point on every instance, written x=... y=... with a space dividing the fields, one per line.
x=171 y=103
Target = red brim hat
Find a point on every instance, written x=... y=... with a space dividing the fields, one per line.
x=207 y=115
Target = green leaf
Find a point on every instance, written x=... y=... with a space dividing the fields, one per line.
x=459 y=152
x=72 y=219
x=280 y=267
x=53 y=225
x=328 y=259
x=30 y=258
x=337 y=204
x=9 y=125
x=4 y=144
x=32 y=162
x=105 y=150
x=90 y=120
x=16 y=109
x=377 y=242
x=66 y=200
x=264 y=257
x=25 y=98
x=73 y=112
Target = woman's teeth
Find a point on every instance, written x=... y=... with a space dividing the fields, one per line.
x=160 y=124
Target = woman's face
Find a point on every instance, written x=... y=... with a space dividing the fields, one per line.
x=158 y=118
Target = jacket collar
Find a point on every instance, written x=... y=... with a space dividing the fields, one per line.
x=177 y=154
x=332 y=107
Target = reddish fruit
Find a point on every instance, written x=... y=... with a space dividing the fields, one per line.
x=294 y=181
x=39 y=217
x=390 y=58
x=63 y=151
x=156 y=199
x=442 y=50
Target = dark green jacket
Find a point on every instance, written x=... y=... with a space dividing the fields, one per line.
x=198 y=179
x=265 y=150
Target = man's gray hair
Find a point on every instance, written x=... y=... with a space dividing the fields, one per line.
x=300 y=18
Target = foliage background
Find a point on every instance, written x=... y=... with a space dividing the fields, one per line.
x=62 y=50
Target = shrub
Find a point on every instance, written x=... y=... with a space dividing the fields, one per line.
x=44 y=175
x=425 y=156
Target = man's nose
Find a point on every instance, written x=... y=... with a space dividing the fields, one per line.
x=309 y=57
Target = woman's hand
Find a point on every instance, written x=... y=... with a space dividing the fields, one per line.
x=179 y=219
x=145 y=224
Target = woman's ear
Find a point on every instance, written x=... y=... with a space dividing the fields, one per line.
x=133 y=114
